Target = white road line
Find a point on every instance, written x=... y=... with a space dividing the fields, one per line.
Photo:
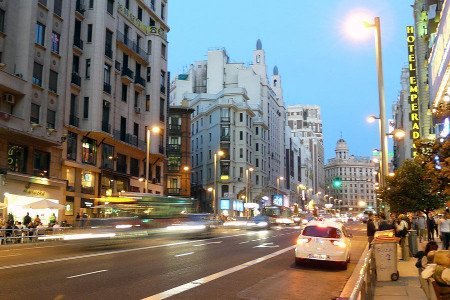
x=198 y=245
x=244 y=242
x=10 y=255
x=184 y=254
x=84 y=274
x=107 y=253
x=198 y=282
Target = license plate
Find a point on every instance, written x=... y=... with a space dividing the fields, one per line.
x=318 y=256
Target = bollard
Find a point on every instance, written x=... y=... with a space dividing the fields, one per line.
x=412 y=241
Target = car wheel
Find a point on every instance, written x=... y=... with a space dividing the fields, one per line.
x=344 y=265
x=299 y=261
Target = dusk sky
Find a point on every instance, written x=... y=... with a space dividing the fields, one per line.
x=317 y=60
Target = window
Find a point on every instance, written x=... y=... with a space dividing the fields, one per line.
x=41 y=163
x=88 y=68
x=55 y=42
x=108 y=44
x=89 y=33
x=107 y=156
x=257 y=147
x=89 y=151
x=147 y=102
x=37 y=74
x=17 y=158
x=110 y=6
x=149 y=74
x=139 y=13
x=86 y=108
x=121 y=165
x=51 y=118
x=57 y=7
x=163 y=50
x=134 y=167
x=72 y=145
x=163 y=7
x=152 y=22
x=124 y=92
x=163 y=82
x=241 y=135
x=241 y=153
x=87 y=182
x=39 y=34
x=136 y=99
x=241 y=117
x=149 y=46
x=2 y=20
x=53 y=81
x=162 y=105
x=91 y=4
x=127 y=4
x=34 y=115
x=107 y=74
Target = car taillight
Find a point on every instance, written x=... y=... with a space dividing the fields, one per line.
x=301 y=241
x=338 y=243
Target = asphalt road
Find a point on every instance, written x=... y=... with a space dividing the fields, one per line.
x=235 y=264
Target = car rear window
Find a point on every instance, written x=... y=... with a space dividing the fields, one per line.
x=324 y=232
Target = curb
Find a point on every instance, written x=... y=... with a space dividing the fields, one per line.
x=351 y=282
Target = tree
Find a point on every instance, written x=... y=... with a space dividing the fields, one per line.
x=409 y=190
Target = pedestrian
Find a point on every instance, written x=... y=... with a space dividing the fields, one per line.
x=52 y=220
x=384 y=224
x=37 y=220
x=370 y=228
x=376 y=222
x=445 y=231
x=421 y=227
x=27 y=219
x=430 y=227
x=436 y=225
x=401 y=231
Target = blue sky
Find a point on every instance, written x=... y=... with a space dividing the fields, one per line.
x=319 y=63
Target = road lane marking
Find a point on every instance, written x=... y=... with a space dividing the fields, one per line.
x=198 y=245
x=267 y=245
x=10 y=255
x=41 y=262
x=244 y=242
x=85 y=274
x=184 y=254
x=193 y=284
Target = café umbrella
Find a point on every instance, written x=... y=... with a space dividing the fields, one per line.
x=43 y=204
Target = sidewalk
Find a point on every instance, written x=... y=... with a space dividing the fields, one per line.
x=407 y=287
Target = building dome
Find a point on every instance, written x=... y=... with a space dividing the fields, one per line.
x=341 y=149
x=275 y=70
x=258 y=45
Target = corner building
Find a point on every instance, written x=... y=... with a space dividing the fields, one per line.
x=91 y=77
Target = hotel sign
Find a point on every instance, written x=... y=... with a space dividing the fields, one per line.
x=413 y=90
x=148 y=30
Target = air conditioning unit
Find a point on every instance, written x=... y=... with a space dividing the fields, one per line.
x=9 y=98
x=137 y=110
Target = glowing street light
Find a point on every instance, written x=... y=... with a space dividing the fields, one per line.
x=247 y=175
x=154 y=129
x=219 y=153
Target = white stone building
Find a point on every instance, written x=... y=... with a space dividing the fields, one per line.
x=240 y=110
x=357 y=174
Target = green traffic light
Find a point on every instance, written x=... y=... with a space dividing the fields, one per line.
x=337 y=183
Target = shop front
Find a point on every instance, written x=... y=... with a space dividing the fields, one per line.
x=229 y=207
x=19 y=190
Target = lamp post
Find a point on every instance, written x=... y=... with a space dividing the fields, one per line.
x=155 y=129
x=211 y=190
x=247 y=185
x=215 y=199
x=278 y=183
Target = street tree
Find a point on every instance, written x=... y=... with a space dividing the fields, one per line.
x=409 y=190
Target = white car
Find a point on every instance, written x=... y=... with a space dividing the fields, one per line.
x=324 y=241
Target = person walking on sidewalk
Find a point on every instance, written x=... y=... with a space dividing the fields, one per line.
x=384 y=224
x=370 y=229
x=421 y=227
x=401 y=231
x=445 y=230
x=430 y=226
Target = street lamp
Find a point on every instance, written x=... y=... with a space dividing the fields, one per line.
x=278 y=183
x=211 y=190
x=215 y=199
x=154 y=129
x=247 y=175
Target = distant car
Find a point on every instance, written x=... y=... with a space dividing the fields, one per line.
x=258 y=222
x=324 y=241
x=237 y=222
x=195 y=225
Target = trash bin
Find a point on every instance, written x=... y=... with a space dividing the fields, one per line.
x=413 y=244
x=385 y=252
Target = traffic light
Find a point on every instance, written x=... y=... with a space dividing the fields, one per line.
x=337 y=183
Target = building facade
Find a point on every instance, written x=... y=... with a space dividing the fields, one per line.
x=90 y=77
x=240 y=111
x=306 y=123
x=357 y=174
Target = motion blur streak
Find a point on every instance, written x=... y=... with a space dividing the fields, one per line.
x=198 y=282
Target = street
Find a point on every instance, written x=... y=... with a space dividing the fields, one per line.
x=234 y=264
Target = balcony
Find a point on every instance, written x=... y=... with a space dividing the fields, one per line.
x=127 y=75
x=139 y=82
x=107 y=87
x=133 y=46
x=225 y=138
x=106 y=127
x=74 y=121
x=109 y=52
x=118 y=66
x=225 y=119
x=78 y=43
x=79 y=7
x=76 y=79
x=173 y=191
x=174 y=129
